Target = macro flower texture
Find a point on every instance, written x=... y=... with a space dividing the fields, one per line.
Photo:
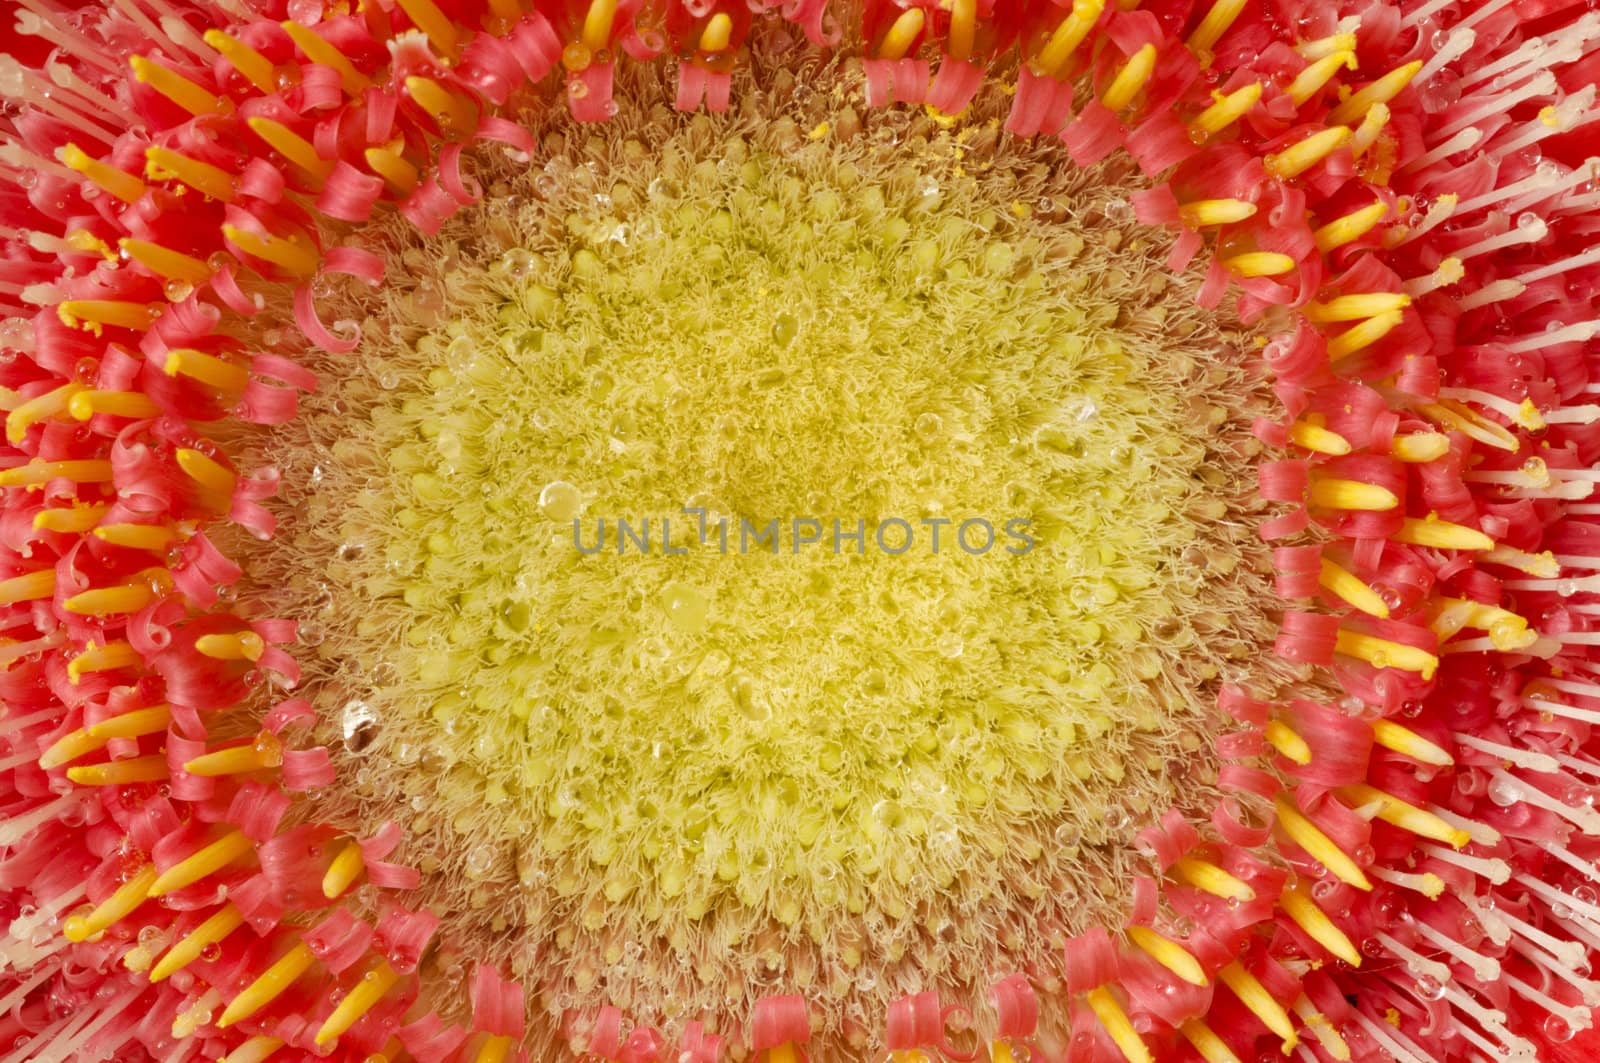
x=746 y=531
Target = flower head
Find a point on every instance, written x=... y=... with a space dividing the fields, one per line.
x=332 y=334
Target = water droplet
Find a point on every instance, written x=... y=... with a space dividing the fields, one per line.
x=560 y=500
x=686 y=608
x=784 y=329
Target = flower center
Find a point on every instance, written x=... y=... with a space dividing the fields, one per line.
x=800 y=528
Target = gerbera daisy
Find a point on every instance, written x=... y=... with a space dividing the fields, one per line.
x=696 y=531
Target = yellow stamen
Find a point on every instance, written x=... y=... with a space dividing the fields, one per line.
x=1225 y=111
x=113 y=909
x=207 y=860
x=1336 y=42
x=292 y=146
x=192 y=945
x=206 y=471
x=206 y=368
x=1287 y=740
x=446 y=107
x=69 y=747
x=1299 y=906
x=1352 y=226
x=1333 y=1042
x=1543 y=564
x=162 y=164
x=69 y=518
x=1408 y=743
x=1169 y=954
x=1347 y=587
x=426 y=16
x=1381 y=653
x=1318 y=439
x=1508 y=631
x=1383 y=90
x=37 y=473
x=902 y=34
x=297 y=255
x=358 y=1001
x=134 y=404
x=316 y=49
x=135 y=724
x=51 y=404
x=1334 y=493
x=597 y=23
x=963 y=28
x=1318 y=74
x=498 y=1050
x=1420 y=447
x=1214 y=25
x=1209 y=878
x=1406 y=816
x=255 y=67
x=509 y=10
x=179 y=89
x=106 y=177
x=1067 y=36
x=255 y=1050
x=1116 y=1023
x=166 y=263
x=719 y=32
x=1253 y=995
x=1308 y=836
x=1259 y=264
x=262 y=754
x=270 y=985
x=1298 y=158
x=1130 y=79
x=787 y=1052
x=343 y=872
x=87 y=242
x=1366 y=133
x=389 y=164
x=1212 y=1048
x=32 y=586
x=150 y=585
x=1356 y=307
x=1203 y=212
x=92 y=313
x=242 y=646
x=121 y=772
x=107 y=658
x=1465 y=419
x=154 y=537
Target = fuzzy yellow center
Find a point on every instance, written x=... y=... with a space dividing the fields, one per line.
x=777 y=532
